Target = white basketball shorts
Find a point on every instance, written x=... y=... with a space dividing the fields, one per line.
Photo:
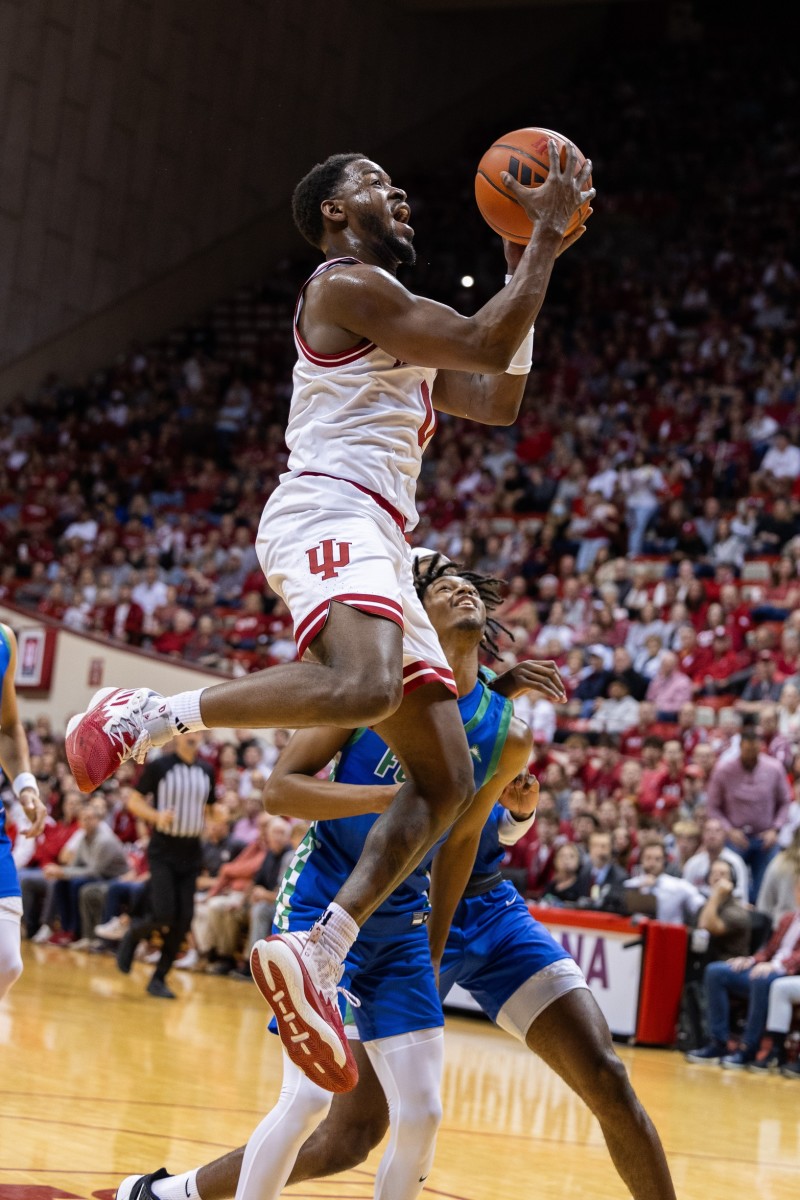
x=322 y=540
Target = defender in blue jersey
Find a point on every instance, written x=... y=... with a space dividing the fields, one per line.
x=510 y=963
x=17 y=768
x=388 y=970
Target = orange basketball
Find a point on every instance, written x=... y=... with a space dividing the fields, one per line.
x=524 y=155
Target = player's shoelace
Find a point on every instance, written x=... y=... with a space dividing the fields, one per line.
x=122 y=729
x=328 y=970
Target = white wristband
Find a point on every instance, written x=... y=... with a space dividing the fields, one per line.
x=25 y=779
x=522 y=361
x=511 y=828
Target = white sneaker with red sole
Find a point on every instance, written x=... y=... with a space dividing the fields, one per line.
x=298 y=978
x=120 y=723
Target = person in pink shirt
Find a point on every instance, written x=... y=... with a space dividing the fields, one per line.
x=750 y=794
x=669 y=688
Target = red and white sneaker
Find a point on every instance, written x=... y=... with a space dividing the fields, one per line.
x=114 y=728
x=298 y=978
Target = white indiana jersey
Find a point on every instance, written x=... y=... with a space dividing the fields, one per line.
x=360 y=415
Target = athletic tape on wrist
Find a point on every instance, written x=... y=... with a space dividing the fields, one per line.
x=25 y=779
x=522 y=361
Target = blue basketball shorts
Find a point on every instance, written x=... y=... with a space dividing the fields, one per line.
x=508 y=962
x=389 y=971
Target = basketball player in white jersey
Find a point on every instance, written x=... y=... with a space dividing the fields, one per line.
x=374 y=364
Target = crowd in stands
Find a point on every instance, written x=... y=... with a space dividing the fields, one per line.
x=644 y=512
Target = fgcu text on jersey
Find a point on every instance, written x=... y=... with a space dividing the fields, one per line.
x=329 y=851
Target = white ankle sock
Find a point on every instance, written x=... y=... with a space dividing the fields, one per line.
x=339 y=930
x=177 y=1187
x=185 y=712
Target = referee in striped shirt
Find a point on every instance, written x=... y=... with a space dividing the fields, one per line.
x=171 y=797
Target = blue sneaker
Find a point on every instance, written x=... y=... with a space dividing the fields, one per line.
x=740 y=1060
x=712 y=1053
x=791 y=1070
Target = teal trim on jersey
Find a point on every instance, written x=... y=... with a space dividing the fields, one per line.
x=5 y=657
x=500 y=739
x=355 y=736
x=480 y=712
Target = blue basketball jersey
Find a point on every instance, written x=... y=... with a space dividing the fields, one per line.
x=490 y=852
x=9 y=884
x=330 y=849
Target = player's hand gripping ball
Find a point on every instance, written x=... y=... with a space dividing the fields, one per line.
x=524 y=155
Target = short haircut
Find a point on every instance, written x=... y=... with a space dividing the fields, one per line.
x=725 y=863
x=317 y=186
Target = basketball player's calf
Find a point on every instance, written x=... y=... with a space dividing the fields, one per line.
x=297 y=974
x=572 y=1037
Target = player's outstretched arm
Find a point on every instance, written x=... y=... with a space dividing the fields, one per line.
x=294 y=790
x=491 y=399
x=370 y=303
x=453 y=864
x=14 y=755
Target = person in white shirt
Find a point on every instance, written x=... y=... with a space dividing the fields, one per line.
x=150 y=593
x=677 y=901
x=713 y=846
x=538 y=715
x=643 y=485
x=782 y=460
x=619 y=712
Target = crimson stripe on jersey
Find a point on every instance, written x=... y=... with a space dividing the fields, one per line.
x=333 y=360
x=420 y=664
x=427 y=676
x=428 y=426
x=344 y=356
x=310 y=617
x=377 y=606
x=396 y=516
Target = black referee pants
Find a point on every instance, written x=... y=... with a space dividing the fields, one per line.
x=175 y=864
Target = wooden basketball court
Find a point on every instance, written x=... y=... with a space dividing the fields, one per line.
x=99 y=1081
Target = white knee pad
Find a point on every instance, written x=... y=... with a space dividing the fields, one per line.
x=274 y=1145
x=409 y=1068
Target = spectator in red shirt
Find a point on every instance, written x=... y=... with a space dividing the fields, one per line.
x=37 y=890
x=540 y=853
x=543 y=756
x=125 y=620
x=632 y=741
x=250 y=624
x=690 y=734
x=172 y=639
x=661 y=792
x=727 y=667
x=692 y=657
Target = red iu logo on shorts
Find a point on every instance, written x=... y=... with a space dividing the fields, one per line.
x=322 y=560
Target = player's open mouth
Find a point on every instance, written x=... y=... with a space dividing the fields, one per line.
x=402 y=214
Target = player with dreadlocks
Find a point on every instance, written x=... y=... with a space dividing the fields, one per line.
x=399 y=1016
x=520 y=976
